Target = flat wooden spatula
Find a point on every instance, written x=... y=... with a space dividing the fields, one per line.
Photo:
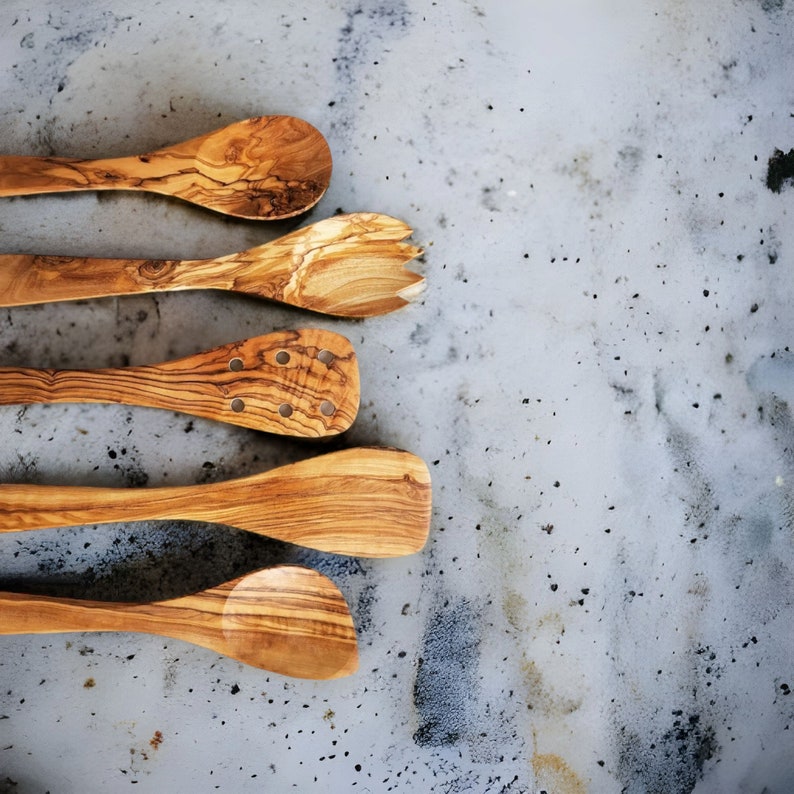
x=288 y=619
x=364 y=501
x=296 y=383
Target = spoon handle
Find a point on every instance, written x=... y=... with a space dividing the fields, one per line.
x=297 y=383
x=369 y=502
x=288 y=619
x=26 y=176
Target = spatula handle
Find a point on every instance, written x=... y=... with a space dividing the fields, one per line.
x=35 y=614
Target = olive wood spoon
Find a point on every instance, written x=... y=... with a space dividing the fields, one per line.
x=366 y=501
x=263 y=168
x=287 y=619
x=348 y=265
x=297 y=383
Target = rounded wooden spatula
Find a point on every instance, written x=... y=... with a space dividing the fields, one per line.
x=297 y=383
x=288 y=619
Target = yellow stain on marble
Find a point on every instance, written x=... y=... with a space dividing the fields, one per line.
x=552 y=774
x=541 y=697
x=516 y=607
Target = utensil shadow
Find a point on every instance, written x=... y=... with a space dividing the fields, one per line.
x=157 y=560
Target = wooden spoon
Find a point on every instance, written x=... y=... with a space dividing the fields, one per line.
x=296 y=383
x=369 y=502
x=288 y=619
x=348 y=265
x=264 y=168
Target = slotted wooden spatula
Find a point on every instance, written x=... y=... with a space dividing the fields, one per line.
x=288 y=619
x=263 y=168
x=368 y=502
x=348 y=265
x=296 y=383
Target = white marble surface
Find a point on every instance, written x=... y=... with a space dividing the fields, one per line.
x=599 y=374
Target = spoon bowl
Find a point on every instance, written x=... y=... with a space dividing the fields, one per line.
x=287 y=619
x=262 y=168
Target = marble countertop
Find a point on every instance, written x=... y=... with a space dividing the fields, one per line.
x=599 y=375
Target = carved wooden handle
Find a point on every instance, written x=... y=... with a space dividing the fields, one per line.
x=288 y=619
x=298 y=383
x=262 y=168
x=369 y=502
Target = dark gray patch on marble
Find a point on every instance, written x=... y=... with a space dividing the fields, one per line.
x=780 y=170
x=629 y=158
x=363 y=41
x=446 y=675
x=771 y=6
x=683 y=447
x=674 y=762
x=47 y=51
x=367 y=23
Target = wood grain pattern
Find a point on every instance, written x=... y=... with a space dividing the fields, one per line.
x=263 y=168
x=368 y=502
x=349 y=266
x=298 y=383
x=287 y=619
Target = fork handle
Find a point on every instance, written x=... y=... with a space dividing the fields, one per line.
x=32 y=278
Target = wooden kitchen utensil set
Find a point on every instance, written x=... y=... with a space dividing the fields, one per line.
x=369 y=502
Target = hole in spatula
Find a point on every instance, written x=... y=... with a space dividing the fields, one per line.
x=238 y=405
x=326 y=357
x=282 y=357
x=285 y=410
x=327 y=408
x=236 y=364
